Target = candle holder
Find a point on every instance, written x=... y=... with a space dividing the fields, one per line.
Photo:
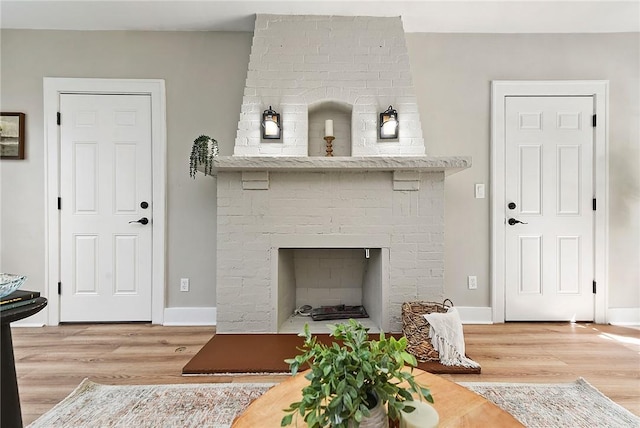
x=329 y=141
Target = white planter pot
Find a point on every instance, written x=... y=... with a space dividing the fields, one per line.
x=377 y=419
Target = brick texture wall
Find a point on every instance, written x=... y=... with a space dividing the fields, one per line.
x=298 y=61
x=311 y=209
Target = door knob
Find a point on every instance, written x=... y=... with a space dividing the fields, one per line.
x=513 y=221
x=143 y=220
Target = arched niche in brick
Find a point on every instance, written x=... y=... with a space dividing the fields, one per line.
x=340 y=113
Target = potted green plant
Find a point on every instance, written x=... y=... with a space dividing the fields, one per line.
x=203 y=150
x=348 y=381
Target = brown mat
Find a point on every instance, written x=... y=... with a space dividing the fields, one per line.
x=265 y=353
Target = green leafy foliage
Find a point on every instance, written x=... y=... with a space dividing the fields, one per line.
x=346 y=381
x=203 y=151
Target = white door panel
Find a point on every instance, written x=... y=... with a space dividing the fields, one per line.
x=549 y=170
x=105 y=175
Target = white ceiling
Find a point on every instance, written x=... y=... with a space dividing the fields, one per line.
x=417 y=15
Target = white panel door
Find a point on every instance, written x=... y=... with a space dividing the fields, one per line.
x=105 y=185
x=549 y=214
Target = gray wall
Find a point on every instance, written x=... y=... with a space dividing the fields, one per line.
x=204 y=74
x=452 y=75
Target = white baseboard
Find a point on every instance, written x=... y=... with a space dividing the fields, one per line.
x=468 y=315
x=624 y=316
x=475 y=315
x=36 y=320
x=190 y=316
x=26 y=324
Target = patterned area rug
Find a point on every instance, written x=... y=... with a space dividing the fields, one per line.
x=144 y=406
x=573 y=405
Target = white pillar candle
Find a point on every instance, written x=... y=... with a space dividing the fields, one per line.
x=328 y=128
x=424 y=416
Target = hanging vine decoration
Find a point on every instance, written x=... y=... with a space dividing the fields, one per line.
x=203 y=151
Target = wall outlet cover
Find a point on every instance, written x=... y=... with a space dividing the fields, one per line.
x=472 y=282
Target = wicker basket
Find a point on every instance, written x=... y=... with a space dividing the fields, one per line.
x=416 y=328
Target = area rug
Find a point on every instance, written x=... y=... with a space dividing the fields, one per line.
x=213 y=405
x=265 y=353
x=574 y=405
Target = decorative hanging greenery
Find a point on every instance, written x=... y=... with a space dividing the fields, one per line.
x=203 y=151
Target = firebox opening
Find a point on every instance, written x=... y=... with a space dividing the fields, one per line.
x=328 y=277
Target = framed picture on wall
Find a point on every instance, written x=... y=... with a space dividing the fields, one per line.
x=12 y=135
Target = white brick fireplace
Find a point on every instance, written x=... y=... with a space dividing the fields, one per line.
x=295 y=227
x=344 y=68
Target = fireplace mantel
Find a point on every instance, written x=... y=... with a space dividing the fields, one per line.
x=447 y=164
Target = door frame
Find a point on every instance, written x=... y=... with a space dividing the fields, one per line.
x=53 y=87
x=500 y=89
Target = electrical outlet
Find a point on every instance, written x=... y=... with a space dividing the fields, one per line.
x=472 y=282
x=184 y=284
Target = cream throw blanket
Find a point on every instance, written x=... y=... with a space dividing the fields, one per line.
x=447 y=338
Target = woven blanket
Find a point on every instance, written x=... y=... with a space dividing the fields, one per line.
x=447 y=338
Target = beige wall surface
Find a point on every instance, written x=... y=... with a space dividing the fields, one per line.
x=452 y=75
x=205 y=73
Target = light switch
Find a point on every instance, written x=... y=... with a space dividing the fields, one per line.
x=479 y=190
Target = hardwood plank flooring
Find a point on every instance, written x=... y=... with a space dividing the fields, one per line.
x=52 y=361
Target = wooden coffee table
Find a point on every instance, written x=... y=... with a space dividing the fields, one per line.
x=456 y=405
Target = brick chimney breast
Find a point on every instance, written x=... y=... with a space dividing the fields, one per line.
x=296 y=227
x=298 y=61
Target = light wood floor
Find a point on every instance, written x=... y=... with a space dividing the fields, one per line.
x=52 y=361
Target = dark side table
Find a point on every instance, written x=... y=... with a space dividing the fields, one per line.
x=11 y=415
